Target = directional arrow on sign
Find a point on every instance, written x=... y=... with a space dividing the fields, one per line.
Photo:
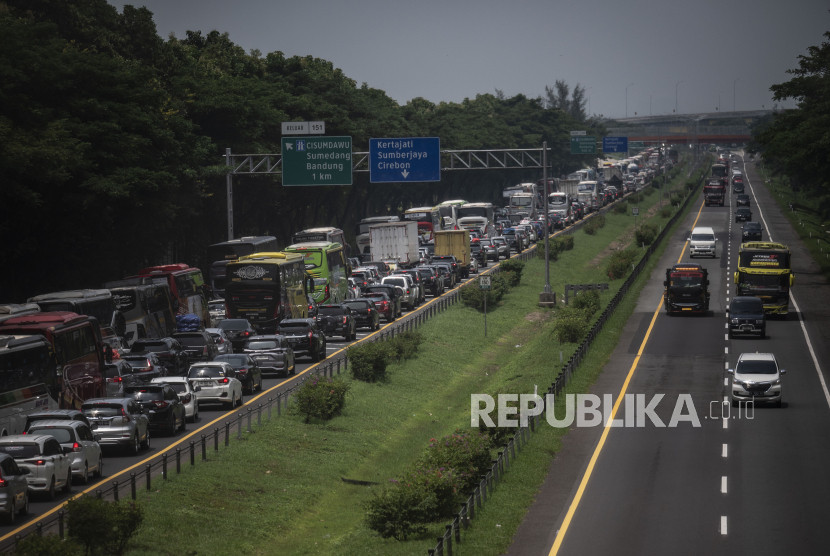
x=405 y=174
x=289 y=146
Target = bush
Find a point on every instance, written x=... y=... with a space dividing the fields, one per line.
x=570 y=324
x=473 y=296
x=400 y=512
x=514 y=266
x=666 y=211
x=676 y=199
x=621 y=207
x=556 y=245
x=368 y=360
x=587 y=301
x=321 y=397
x=103 y=527
x=48 y=545
x=404 y=345
x=619 y=263
x=466 y=452
x=593 y=224
x=645 y=234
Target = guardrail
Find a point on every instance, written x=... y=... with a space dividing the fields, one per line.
x=451 y=539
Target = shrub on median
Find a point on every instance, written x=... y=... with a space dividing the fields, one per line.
x=368 y=360
x=321 y=398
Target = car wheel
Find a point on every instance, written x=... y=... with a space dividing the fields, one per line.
x=779 y=403
x=146 y=443
x=99 y=472
x=12 y=517
x=50 y=494
x=172 y=427
x=184 y=422
x=239 y=401
x=136 y=447
x=85 y=475
x=233 y=401
x=25 y=509
x=67 y=488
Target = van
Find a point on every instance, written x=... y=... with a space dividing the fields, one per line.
x=702 y=242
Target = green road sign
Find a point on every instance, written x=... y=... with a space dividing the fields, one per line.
x=313 y=160
x=636 y=145
x=584 y=144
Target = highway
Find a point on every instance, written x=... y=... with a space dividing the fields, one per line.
x=737 y=483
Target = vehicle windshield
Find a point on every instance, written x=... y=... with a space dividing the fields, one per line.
x=205 y=372
x=232 y=359
x=263 y=344
x=192 y=341
x=331 y=311
x=356 y=305
x=754 y=305
x=20 y=451
x=62 y=435
x=101 y=409
x=756 y=368
x=234 y=324
x=143 y=394
x=702 y=237
x=292 y=327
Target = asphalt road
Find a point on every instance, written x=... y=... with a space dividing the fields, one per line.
x=737 y=483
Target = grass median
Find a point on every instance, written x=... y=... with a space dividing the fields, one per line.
x=281 y=489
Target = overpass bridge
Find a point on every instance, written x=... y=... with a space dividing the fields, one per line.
x=711 y=127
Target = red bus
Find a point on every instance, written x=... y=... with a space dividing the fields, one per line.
x=187 y=287
x=78 y=351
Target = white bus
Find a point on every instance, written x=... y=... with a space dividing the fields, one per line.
x=477 y=216
x=28 y=380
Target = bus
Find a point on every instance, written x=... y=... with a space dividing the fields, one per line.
x=332 y=235
x=12 y=310
x=28 y=381
x=187 y=287
x=362 y=235
x=478 y=216
x=427 y=218
x=325 y=261
x=765 y=271
x=78 y=348
x=448 y=214
x=219 y=254
x=266 y=288
x=147 y=310
x=95 y=303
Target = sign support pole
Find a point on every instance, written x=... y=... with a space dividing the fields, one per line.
x=229 y=187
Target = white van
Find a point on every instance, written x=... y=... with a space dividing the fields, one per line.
x=702 y=242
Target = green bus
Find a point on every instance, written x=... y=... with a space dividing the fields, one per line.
x=266 y=288
x=325 y=262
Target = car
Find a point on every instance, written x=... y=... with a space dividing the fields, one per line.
x=217 y=383
x=432 y=282
x=390 y=290
x=455 y=267
x=381 y=267
x=751 y=231
x=118 y=422
x=746 y=316
x=14 y=488
x=77 y=441
x=49 y=468
x=364 y=313
x=385 y=306
x=502 y=246
x=119 y=373
x=362 y=279
x=514 y=239
x=198 y=344
x=477 y=252
x=405 y=283
x=743 y=214
x=702 y=241
x=305 y=337
x=161 y=403
x=238 y=331
x=421 y=293
x=270 y=354
x=188 y=394
x=223 y=343
x=488 y=247
x=55 y=414
x=444 y=270
x=145 y=367
x=337 y=320
x=756 y=378
x=353 y=290
x=578 y=210
x=169 y=351
x=742 y=200
x=556 y=220
x=216 y=310
x=312 y=306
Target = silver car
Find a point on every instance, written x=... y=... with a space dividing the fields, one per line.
x=43 y=456
x=79 y=443
x=14 y=488
x=118 y=422
x=223 y=343
x=217 y=382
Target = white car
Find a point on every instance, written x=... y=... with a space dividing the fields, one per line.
x=217 y=383
x=78 y=442
x=49 y=469
x=188 y=394
x=756 y=378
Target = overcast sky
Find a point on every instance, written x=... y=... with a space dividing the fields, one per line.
x=632 y=56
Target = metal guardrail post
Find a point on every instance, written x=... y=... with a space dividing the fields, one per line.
x=216 y=439
x=192 y=453
x=259 y=415
x=115 y=490
x=204 y=448
x=178 y=460
x=61 y=518
x=239 y=426
x=227 y=433
x=132 y=485
x=164 y=466
x=249 y=420
x=148 y=473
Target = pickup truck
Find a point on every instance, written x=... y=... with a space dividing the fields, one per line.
x=304 y=337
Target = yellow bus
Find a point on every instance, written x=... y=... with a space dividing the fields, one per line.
x=266 y=288
x=325 y=261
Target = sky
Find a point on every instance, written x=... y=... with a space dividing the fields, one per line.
x=633 y=57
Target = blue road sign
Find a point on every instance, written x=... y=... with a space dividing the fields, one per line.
x=615 y=144
x=404 y=159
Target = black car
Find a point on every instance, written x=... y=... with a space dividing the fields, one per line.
x=746 y=316
x=742 y=200
x=55 y=415
x=247 y=368
x=169 y=351
x=393 y=292
x=199 y=345
x=432 y=282
x=304 y=337
x=384 y=306
x=238 y=331
x=145 y=366
x=751 y=231
x=743 y=214
x=578 y=210
x=453 y=262
x=337 y=320
x=478 y=252
x=514 y=241
x=444 y=271
x=364 y=312
x=161 y=403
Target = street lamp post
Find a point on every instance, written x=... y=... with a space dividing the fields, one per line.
x=626 y=98
x=734 y=109
x=676 y=85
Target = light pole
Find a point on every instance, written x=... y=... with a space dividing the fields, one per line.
x=676 y=85
x=734 y=109
x=626 y=98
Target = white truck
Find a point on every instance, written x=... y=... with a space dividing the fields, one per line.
x=394 y=242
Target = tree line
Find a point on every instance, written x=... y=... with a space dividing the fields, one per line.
x=111 y=142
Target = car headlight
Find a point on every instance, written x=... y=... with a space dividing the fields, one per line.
x=734 y=321
x=759 y=321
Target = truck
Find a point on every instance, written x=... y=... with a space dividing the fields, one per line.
x=522 y=205
x=714 y=192
x=686 y=289
x=395 y=242
x=456 y=243
x=765 y=271
x=588 y=195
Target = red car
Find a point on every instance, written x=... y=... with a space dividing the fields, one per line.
x=383 y=304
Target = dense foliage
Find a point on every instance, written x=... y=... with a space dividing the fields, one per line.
x=796 y=142
x=112 y=142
